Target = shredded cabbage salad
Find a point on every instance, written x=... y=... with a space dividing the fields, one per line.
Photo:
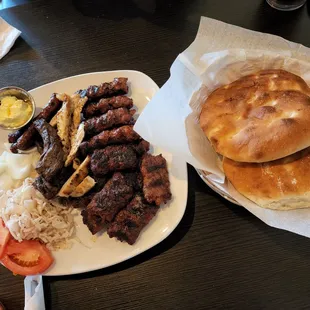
x=28 y=215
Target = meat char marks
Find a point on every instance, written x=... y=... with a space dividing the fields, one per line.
x=52 y=159
x=121 y=116
x=50 y=189
x=117 y=158
x=47 y=189
x=124 y=134
x=106 y=104
x=50 y=167
x=117 y=87
x=156 y=185
x=130 y=221
x=114 y=196
x=24 y=138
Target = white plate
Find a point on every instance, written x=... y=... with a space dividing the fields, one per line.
x=103 y=251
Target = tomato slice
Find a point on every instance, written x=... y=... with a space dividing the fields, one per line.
x=4 y=237
x=28 y=257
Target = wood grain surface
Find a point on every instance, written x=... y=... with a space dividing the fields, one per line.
x=220 y=256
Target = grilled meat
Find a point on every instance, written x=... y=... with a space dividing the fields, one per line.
x=52 y=159
x=39 y=145
x=121 y=116
x=47 y=189
x=100 y=182
x=107 y=203
x=106 y=104
x=23 y=140
x=124 y=134
x=134 y=179
x=50 y=189
x=80 y=202
x=13 y=136
x=26 y=140
x=117 y=87
x=142 y=147
x=113 y=158
x=156 y=185
x=117 y=158
x=130 y=221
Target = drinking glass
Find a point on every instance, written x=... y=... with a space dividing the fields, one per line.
x=286 y=5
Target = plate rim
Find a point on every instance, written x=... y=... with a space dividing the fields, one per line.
x=185 y=176
x=213 y=186
x=93 y=73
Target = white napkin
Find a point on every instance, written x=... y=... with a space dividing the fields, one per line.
x=8 y=35
x=34 y=294
x=220 y=54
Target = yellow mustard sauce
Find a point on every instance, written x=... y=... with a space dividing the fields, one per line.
x=14 y=112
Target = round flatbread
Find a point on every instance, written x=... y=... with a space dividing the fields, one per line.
x=282 y=184
x=259 y=118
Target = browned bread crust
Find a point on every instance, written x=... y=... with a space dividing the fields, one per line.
x=259 y=118
x=282 y=184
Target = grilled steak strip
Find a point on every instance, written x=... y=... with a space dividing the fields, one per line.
x=117 y=87
x=24 y=140
x=124 y=134
x=121 y=116
x=52 y=159
x=50 y=189
x=130 y=221
x=106 y=104
x=47 y=189
x=114 y=196
x=156 y=185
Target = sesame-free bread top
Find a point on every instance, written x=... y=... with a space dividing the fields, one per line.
x=258 y=118
x=283 y=184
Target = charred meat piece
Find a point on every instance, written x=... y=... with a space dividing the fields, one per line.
x=124 y=134
x=117 y=158
x=113 y=158
x=52 y=159
x=50 y=189
x=117 y=87
x=156 y=185
x=106 y=104
x=142 y=147
x=13 y=136
x=121 y=116
x=107 y=203
x=24 y=140
x=80 y=202
x=50 y=109
x=130 y=221
x=47 y=189
x=39 y=145
x=100 y=183
x=134 y=179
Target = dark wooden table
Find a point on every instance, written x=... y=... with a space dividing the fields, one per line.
x=220 y=256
